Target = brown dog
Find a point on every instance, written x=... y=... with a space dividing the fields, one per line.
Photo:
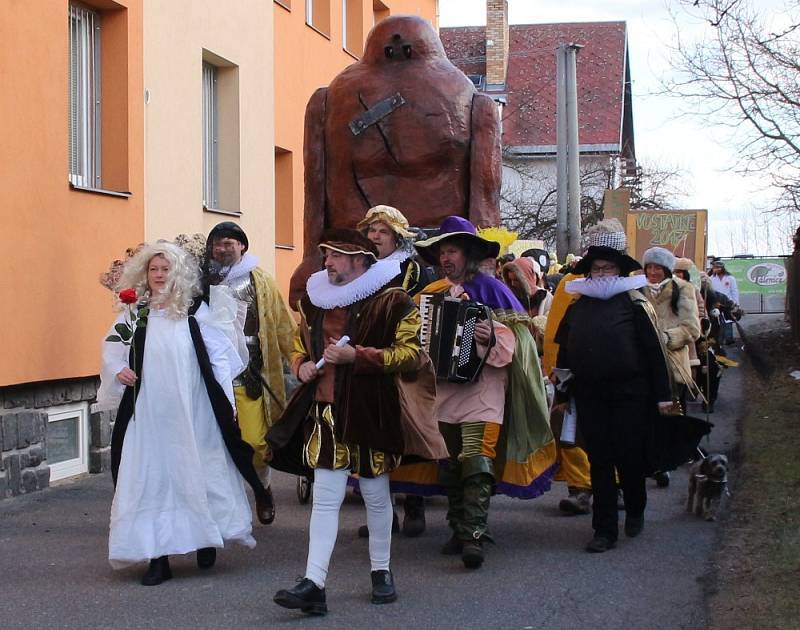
x=708 y=482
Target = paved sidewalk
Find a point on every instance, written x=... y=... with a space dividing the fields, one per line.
x=54 y=572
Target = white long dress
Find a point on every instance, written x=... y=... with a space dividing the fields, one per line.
x=178 y=489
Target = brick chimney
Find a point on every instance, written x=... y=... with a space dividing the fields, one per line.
x=496 y=42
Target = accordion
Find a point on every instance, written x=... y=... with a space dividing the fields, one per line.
x=448 y=335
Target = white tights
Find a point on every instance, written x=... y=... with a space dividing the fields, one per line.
x=329 y=490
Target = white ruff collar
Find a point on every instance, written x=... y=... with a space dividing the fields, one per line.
x=242 y=268
x=325 y=295
x=606 y=287
x=400 y=255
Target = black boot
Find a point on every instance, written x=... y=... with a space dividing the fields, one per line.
x=600 y=544
x=157 y=572
x=414 y=515
x=265 y=507
x=306 y=596
x=206 y=557
x=634 y=524
x=472 y=554
x=383 y=591
x=662 y=479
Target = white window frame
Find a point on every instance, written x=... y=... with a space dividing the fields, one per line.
x=85 y=97
x=79 y=465
x=210 y=136
x=310 y=12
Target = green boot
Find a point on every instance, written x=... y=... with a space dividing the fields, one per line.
x=473 y=530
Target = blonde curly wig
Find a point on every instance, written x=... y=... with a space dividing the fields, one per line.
x=183 y=280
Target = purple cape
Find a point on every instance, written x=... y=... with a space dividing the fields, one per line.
x=492 y=292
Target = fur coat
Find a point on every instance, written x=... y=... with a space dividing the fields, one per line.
x=678 y=330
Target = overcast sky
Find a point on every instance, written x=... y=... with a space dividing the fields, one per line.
x=661 y=135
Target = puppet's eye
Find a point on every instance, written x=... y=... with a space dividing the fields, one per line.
x=389 y=52
x=407 y=51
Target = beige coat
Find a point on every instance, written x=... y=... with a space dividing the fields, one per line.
x=678 y=330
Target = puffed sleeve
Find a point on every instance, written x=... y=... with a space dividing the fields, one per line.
x=284 y=322
x=114 y=357
x=502 y=351
x=298 y=354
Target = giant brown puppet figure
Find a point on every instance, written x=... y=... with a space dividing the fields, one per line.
x=401 y=127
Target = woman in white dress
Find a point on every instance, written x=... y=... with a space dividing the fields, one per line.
x=177 y=455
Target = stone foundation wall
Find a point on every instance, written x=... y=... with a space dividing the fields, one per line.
x=23 y=431
x=23 y=463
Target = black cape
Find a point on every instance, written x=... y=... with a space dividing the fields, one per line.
x=673 y=440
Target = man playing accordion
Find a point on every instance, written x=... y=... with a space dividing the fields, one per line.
x=490 y=443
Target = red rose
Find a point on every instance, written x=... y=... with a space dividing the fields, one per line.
x=128 y=296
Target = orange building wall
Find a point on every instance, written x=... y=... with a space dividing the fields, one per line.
x=304 y=61
x=57 y=241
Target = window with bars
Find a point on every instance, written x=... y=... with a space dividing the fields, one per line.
x=84 y=97
x=210 y=137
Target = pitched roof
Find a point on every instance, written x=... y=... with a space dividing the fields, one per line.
x=529 y=117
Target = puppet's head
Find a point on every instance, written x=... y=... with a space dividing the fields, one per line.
x=402 y=39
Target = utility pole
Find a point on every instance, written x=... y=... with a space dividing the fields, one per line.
x=568 y=190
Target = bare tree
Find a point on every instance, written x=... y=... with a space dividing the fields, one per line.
x=751 y=231
x=655 y=186
x=528 y=196
x=745 y=74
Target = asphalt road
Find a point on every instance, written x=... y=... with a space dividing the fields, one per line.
x=54 y=571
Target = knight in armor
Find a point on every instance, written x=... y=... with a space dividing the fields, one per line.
x=268 y=329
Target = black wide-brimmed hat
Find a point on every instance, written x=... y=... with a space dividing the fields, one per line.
x=458 y=229
x=625 y=263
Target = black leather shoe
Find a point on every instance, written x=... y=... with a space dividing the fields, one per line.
x=206 y=557
x=600 y=544
x=363 y=531
x=662 y=479
x=306 y=596
x=157 y=572
x=634 y=524
x=452 y=547
x=383 y=591
x=265 y=507
x=413 y=516
x=472 y=554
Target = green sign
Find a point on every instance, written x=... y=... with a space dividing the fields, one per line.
x=766 y=276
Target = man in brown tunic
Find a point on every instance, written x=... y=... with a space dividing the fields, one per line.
x=348 y=411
